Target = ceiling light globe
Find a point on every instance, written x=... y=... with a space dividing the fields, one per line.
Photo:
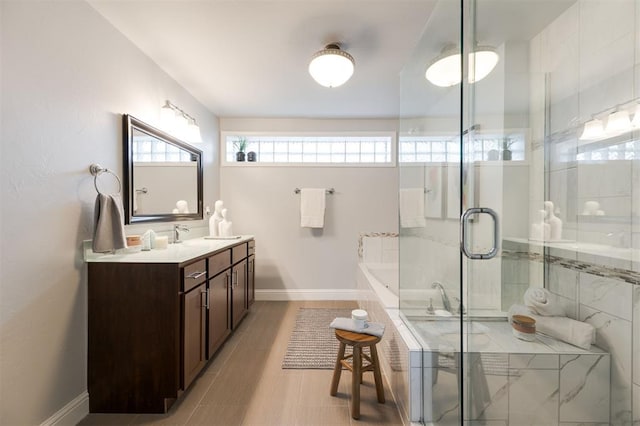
x=331 y=67
x=445 y=72
x=481 y=63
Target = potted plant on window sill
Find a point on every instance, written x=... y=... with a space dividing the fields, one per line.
x=240 y=145
x=506 y=152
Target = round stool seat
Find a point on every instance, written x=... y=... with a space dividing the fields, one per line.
x=358 y=341
x=352 y=338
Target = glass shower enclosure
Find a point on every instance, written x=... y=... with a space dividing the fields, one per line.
x=514 y=176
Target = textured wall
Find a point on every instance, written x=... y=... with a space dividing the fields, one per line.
x=67 y=76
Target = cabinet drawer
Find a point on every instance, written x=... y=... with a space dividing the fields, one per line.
x=194 y=274
x=219 y=262
x=238 y=252
x=252 y=247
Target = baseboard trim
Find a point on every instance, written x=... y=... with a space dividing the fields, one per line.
x=71 y=414
x=317 y=294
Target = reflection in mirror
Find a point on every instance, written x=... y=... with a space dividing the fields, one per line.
x=163 y=176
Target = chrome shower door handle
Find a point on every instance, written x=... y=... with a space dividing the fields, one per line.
x=464 y=221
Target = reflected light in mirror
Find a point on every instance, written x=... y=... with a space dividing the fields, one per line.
x=593 y=130
x=636 y=117
x=617 y=123
x=445 y=69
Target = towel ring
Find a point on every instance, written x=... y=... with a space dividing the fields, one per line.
x=96 y=170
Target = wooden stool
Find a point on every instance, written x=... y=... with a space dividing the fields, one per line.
x=357 y=341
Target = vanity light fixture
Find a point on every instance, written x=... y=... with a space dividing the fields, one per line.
x=179 y=123
x=617 y=123
x=445 y=71
x=593 y=130
x=331 y=66
x=636 y=117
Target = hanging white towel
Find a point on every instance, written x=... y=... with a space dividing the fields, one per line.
x=312 y=206
x=412 y=208
x=108 y=230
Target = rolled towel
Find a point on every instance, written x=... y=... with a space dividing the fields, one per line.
x=543 y=303
x=568 y=330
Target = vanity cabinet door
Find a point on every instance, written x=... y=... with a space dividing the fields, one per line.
x=251 y=280
x=239 y=292
x=219 y=310
x=194 y=308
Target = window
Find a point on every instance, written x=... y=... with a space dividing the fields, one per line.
x=330 y=149
x=446 y=149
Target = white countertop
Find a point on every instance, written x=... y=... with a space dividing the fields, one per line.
x=174 y=253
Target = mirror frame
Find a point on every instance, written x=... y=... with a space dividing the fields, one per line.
x=130 y=124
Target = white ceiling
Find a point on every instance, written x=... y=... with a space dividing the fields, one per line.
x=249 y=58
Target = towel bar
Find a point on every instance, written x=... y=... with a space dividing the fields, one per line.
x=328 y=191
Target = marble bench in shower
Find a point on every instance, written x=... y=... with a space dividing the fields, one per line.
x=510 y=381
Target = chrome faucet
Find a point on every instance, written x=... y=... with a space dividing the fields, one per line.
x=176 y=232
x=445 y=299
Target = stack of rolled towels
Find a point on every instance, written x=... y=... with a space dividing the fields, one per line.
x=551 y=318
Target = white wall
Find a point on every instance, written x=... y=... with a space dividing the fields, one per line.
x=67 y=76
x=261 y=201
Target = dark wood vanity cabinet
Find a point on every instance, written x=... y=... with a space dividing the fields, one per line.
x=251 y=273
x=152 y=327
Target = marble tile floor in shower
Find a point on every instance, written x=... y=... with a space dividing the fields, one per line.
x=245 y=384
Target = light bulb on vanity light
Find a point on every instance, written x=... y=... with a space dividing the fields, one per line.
x=167 y=116
x=618 y=123
x=179 y=124
x=636 y=118
x=193 y=132
x=593 y=130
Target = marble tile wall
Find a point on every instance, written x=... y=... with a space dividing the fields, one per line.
x=522 y=389
x=609 y=299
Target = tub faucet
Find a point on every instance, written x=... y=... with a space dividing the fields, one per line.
x=445 y=299
x=176 y=232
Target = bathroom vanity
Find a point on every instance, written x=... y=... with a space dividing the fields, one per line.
x=156 y=318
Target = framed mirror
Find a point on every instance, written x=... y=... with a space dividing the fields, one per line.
x=162 y=175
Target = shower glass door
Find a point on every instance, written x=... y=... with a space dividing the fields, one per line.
x=471 y=155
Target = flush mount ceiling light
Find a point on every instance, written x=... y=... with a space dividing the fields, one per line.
x=445 y=71
x=179 y=123
x=331 y=67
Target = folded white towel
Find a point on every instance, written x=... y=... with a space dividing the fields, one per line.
x=412 y=208
x=349 y=324
x=312 y=206
x=568 y=330
x=543 y=303
x=108 y=228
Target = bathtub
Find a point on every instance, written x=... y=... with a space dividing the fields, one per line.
x=400 y=353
